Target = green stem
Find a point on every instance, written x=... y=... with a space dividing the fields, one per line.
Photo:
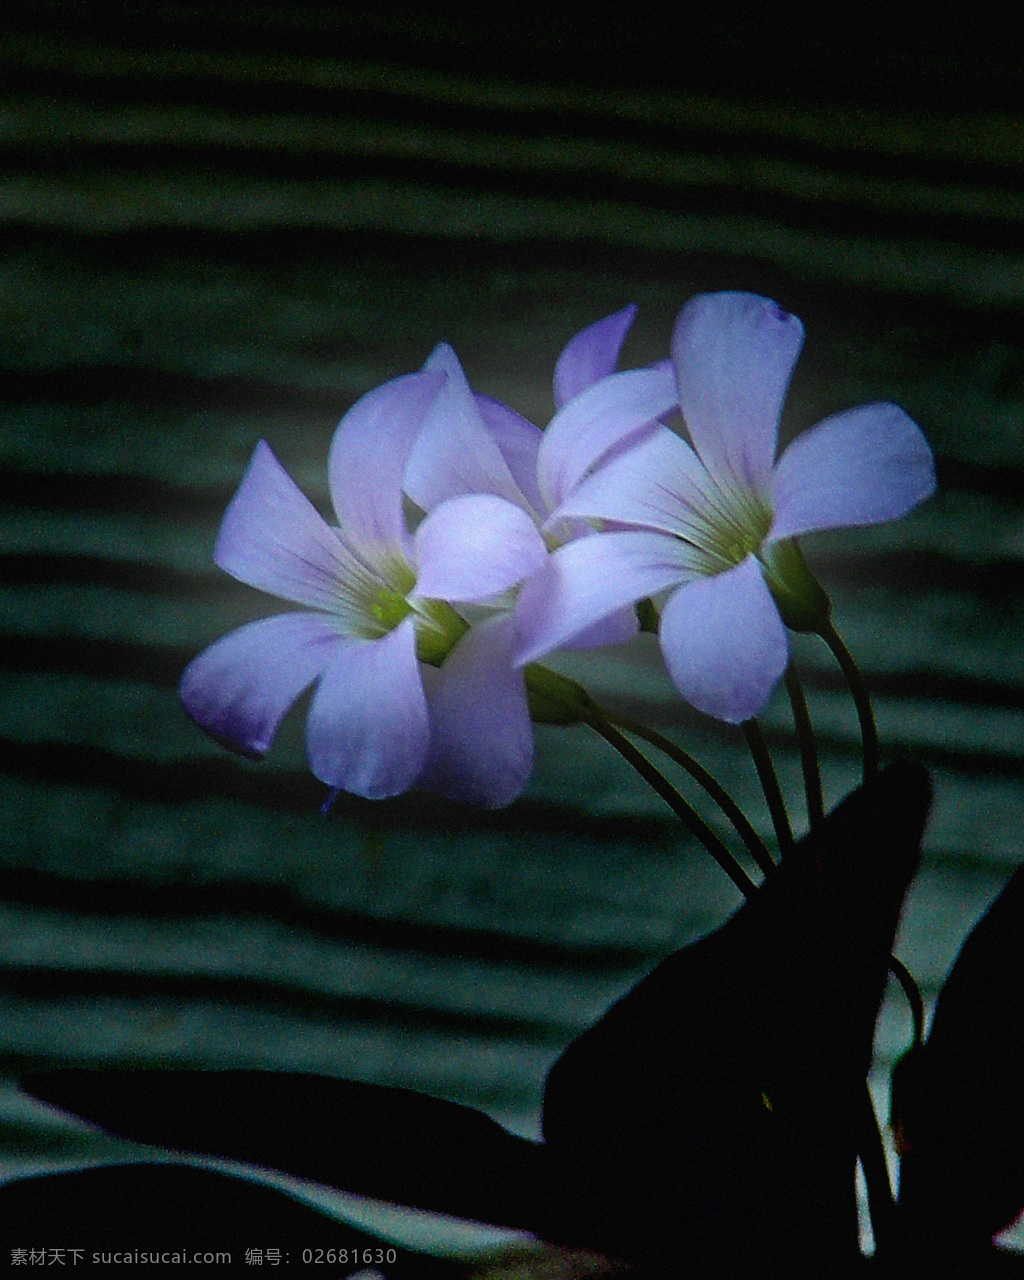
x=769 y=785
x=693 y=822
x=808 y=748
x=871 y=1150
x=913 y=993
x=711 y=785
x=861 y=700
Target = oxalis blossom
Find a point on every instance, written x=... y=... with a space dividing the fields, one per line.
x=471 y=446
x=408 y=635
x=473 y=468
x=391 y=658
x=711 y=521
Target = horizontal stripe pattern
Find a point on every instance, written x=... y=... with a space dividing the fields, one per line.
x=204 y=246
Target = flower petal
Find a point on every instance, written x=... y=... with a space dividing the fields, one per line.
x=273 y=538
x=724 y=643
x=734 y=354
x=367 y=729
x=658 y=482
x=367 y=459
x=455 y=453
x=616 y=628
x=518 y=439
x=591 y=355
x=860 y=467
x=588 y=580
x=591 y=424
x=474 y=547
x=482 y=746
x=239 y=689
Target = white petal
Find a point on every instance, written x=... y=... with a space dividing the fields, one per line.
x=482 y=746
x=455 y=453
x=239 y=689
x=519 y=441
x=588 y=580
x=658 y=482
x=616 y=628
x=367 y=460
x=591 y=354
x=273 y=538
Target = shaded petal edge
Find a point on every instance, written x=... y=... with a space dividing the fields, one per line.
x=482 y=745
x=518 y=440
x=591 y=354
x=240 y=688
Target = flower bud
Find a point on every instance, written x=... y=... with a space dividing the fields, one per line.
x=801 y=600
x=554 y=698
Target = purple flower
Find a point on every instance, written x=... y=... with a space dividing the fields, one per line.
x=712 y=522
x=473 y=445
x=396 y=664
x=473 y=466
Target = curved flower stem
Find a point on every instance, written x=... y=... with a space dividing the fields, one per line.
x=859 y=693
x=769 y=785
x=871 y=1150
x=913 y=993
x=808 y=748
x=744 y=828
x=693 y=822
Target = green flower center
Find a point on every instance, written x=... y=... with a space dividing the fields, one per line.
x=733 y=530
x=438 y=630
x=386 y=609
x=382 y=602
x=733 y=526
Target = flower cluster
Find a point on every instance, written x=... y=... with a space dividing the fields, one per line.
x=469 y=545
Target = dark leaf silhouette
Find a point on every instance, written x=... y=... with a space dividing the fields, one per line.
x=712 y=1114
x=958 y=1102
x=392 y=1144
x=710 y=1120
x=174 y=1208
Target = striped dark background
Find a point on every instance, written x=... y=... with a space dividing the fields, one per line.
x=215 y=230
